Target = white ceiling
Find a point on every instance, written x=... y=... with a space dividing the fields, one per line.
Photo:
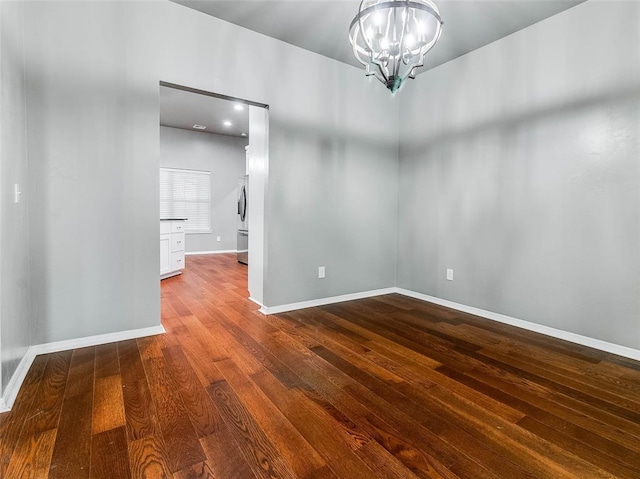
x=322 y=26
x=183 y=109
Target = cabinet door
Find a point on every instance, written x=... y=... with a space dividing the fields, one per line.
x=165 y=254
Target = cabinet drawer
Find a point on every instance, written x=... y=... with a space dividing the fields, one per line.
x=165 y=227
x=177 y=261
x=177 y=242
x=177 y=226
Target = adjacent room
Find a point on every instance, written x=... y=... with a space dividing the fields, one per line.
x=320 y=239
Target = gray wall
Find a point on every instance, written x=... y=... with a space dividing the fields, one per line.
x=92 y=103
x=224 y=157
x=15 y=318
x=519 y=169
x=93 y=73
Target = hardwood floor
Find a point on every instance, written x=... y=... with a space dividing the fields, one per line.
x=388 y=387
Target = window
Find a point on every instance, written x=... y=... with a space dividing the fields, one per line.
x=186 y=194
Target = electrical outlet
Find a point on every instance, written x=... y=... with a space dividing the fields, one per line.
x=449 y=275
x=218 y=238
x=16 y=193
x=321 y=272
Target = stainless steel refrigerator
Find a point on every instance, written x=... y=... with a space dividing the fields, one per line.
x=243 y=219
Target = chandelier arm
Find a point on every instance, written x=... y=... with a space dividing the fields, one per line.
x=396 y=65
x=362 y=32
x=384 y=75
x=405 y=25
x=354 y=46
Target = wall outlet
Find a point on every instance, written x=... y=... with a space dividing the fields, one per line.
x=321 y=272
x=449 y=275
x=218 y=238
x=16 y=193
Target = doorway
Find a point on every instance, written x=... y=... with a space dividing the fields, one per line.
x=213 y=176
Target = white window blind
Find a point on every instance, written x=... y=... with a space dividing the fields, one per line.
x=186 y=194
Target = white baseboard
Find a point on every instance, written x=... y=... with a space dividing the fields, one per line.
x=11 y=391
x=97 y=340
x=322 y=301
x=222 y=251
x=520 y=323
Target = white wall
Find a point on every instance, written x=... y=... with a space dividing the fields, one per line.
x=519 y=169
x=93 y=73
x=15 y=317
x=258 y=171
x=224 y=156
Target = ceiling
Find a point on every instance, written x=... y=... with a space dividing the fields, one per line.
x=321 y=26
x=183 y=109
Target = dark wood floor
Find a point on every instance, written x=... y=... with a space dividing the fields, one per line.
x=388 y=387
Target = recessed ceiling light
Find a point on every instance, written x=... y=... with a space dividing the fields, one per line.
x=243 y=134
x=199 y=127
x=238 y=107
x=227 y=123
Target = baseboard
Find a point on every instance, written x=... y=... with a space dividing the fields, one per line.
x=222 y=251
x=11 y=391
x=57 y=346
x=323 y=301
x=502 y=318
x=520 y=323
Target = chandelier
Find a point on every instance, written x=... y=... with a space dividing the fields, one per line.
x=391 y=37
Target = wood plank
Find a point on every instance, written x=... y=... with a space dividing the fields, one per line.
x=316 y=428
x=108 y=404
x=579 y=448
x=198 y=404
x=290 y=444
x=81 y=372
x=13 y=424
x=182 y=445
x=201 y=470
x=147 y=459
x=224 y=456
x=383 y=462
x=72 y=452
x=34 y=446
x=50 y=394
x=107 y=363
x=324 y=472
x=139 y=410
x=258 y=450
x=109 y=455
x=528 y=406
x=32 y=457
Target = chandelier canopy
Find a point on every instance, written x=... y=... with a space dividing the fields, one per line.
x=391 y=37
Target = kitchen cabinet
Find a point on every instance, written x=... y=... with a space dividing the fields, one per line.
x=171 y=247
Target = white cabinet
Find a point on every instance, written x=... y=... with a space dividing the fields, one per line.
x=171 y=247
x=165 y=254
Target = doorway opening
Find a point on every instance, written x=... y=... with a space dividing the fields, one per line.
x=213 y=172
